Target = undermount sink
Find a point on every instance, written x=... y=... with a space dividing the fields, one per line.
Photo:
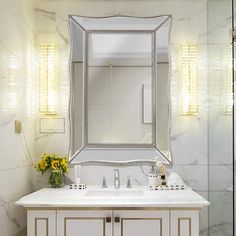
x=114 y=193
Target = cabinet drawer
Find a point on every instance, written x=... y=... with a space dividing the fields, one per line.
x=84 y=223
x=185 y=223
x=41 y=223
x=141 y=222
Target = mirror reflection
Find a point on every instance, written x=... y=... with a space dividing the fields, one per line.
x=119 y=88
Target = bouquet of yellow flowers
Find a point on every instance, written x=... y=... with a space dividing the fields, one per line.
x=57 y=164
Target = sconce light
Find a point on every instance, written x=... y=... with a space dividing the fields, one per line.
x=47 y=79
x=189 y=79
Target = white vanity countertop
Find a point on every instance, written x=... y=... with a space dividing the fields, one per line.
x=97 y=197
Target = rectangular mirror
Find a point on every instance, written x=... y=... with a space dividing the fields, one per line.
x=120 y=84
x=119 y=65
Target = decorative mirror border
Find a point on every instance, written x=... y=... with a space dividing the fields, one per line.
x=85 y=145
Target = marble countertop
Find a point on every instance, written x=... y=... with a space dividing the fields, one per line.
x=97 y=197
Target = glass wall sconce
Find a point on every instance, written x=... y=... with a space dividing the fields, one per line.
x=189 y=79
x=47 y=79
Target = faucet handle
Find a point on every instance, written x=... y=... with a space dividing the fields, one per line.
x=104 y=182
x=116 y=172
x=116 y=179
x=128 y=182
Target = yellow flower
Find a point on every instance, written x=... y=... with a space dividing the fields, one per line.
x=42 y=164
x=55 y=164
x=64 y=164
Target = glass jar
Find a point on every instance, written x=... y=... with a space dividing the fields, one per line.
x=56 y=179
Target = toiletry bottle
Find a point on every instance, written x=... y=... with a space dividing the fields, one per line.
x=152 y=178
x=77 y=175
x=163 y=179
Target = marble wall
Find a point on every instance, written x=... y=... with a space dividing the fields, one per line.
x=220 y=122
x=189 y=26
x=201 y=156
x=201 y=144
x=16 y=84
x=189 y=137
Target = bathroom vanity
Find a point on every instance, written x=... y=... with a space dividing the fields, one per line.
x=110 y=212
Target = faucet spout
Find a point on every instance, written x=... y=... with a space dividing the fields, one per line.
x=116 y=179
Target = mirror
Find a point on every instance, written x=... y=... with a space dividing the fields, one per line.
x=119 y=74
x=119 y=85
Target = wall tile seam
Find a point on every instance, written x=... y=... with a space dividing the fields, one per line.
x=221 y=164
x=203 y=44
x=20 y=167
x=198 y=165
x=187 y=165
x=220 y=191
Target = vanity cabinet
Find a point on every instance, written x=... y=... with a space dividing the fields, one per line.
x=84 y=223
x=184 y=223
x=41 y=223
x=113 y=222
x=125 y=223
x=141 y=222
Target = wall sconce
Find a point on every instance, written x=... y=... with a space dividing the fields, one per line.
x=47 y=79
x=189 y=79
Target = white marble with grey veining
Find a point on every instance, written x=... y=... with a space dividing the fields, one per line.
x=123 y=197
x=221 y=214
x=189 y=24
x=206 y=23
x=16 y=103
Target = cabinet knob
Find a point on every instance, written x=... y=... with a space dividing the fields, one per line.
x=117 y=219
x=108 y=219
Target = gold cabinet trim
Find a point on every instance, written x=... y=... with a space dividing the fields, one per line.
x=123 y=219
x=85 y=218
x=36 y=225
x=190 y=225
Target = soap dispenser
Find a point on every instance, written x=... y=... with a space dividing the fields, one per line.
x=161 y=168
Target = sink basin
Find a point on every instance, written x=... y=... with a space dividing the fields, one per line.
x=114 y=193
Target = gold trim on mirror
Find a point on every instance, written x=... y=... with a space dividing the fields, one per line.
x=36 y=225
x=190 y=225
x=85 y=218
x=123 y=219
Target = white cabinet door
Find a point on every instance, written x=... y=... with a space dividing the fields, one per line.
x=41 y=223
x=141 y=223
x=185 y=223
x=84 y=223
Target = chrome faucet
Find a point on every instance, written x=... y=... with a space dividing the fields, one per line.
x=128 y=182
x=116 y=179
x=104 y=182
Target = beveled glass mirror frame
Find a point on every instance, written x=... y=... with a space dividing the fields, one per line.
x=74 y=152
